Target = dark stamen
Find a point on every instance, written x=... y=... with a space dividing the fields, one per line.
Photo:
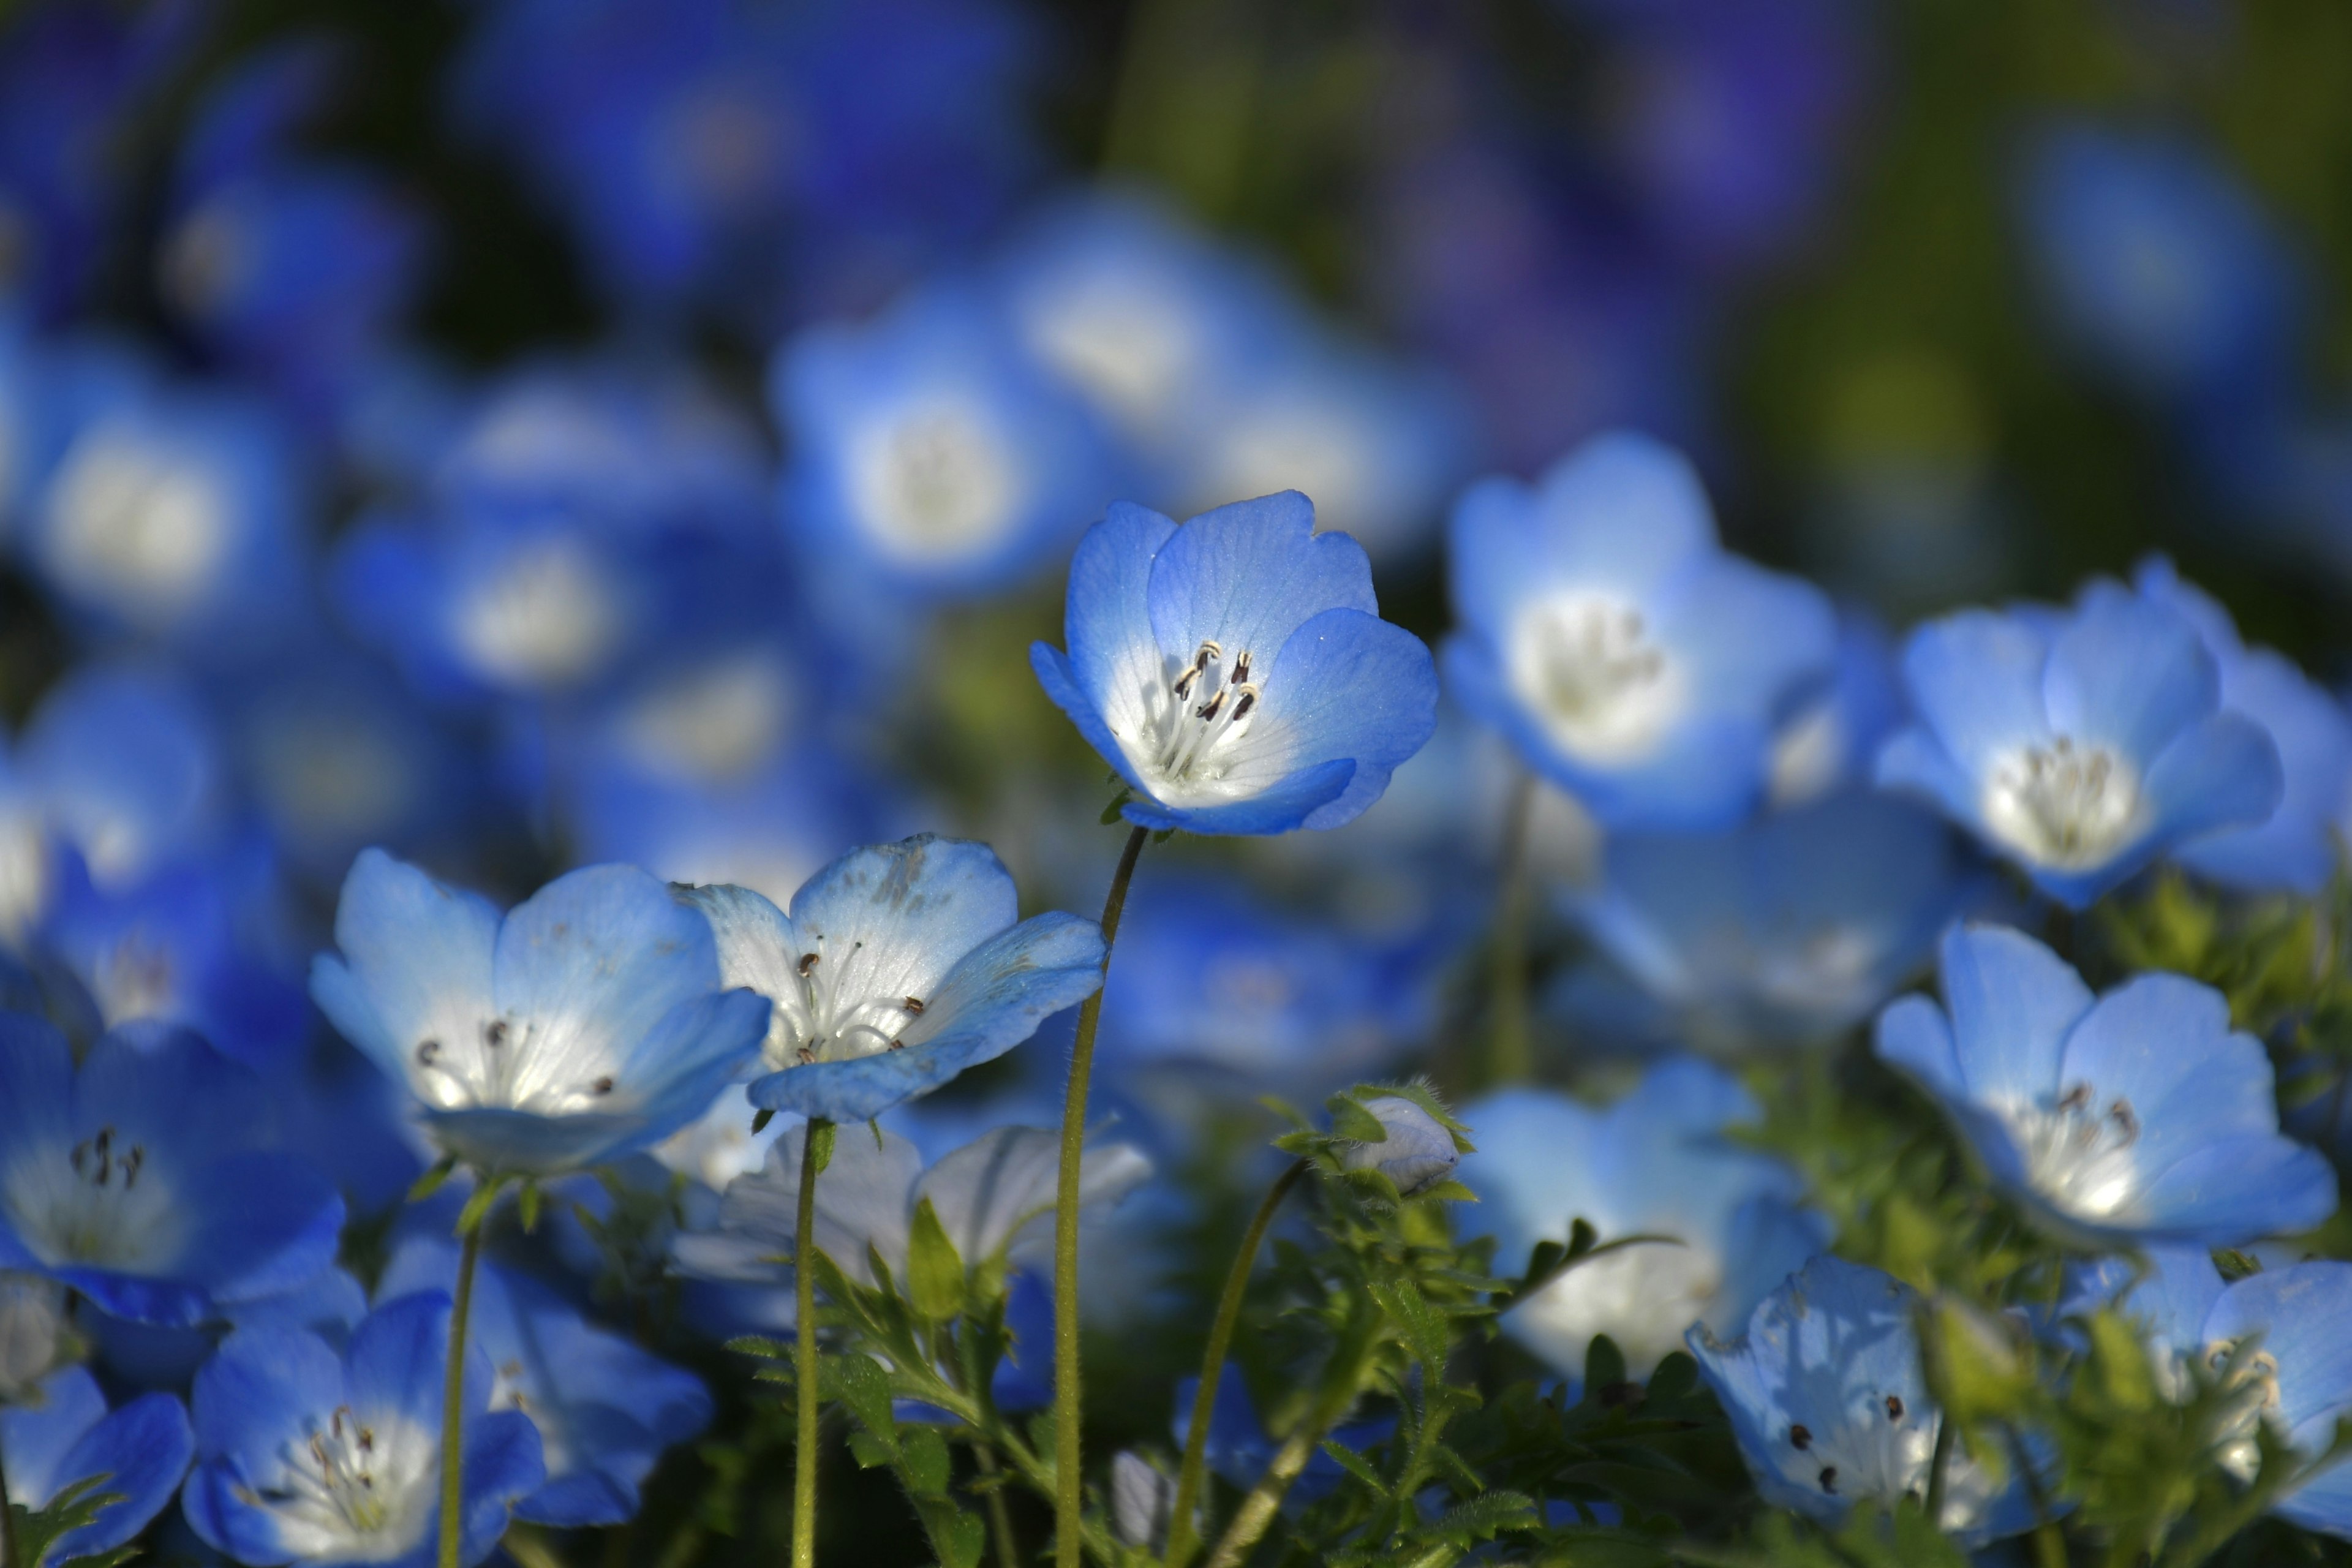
x=808 y=965
x=1802 y=1437
x=1894 y=1408
x=915 y=1005
x=1828 y=1479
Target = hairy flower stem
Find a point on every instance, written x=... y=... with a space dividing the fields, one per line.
x=1182 y=1541
x=1258 y=1510
x=452 y=1395
x=815 y=1147
x=1508 y=1056
x=1069 y=1490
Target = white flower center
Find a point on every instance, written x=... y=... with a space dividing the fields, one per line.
x=2079 y=1150
x=138 y=527
x=518 y=1064
x=1879 y=1444
x=1641 y=1297
x=1587 y=665
x=831 y=1014
x=1125 y=346
x=714 y=724
x=546 y=618
x=2062 y=805
x=134 y=978
x=99 y=1204
x=935 y=482
x=1196 y=718
x=352 y=1491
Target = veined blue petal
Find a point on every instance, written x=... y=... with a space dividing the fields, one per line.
x=594 y=960
x=2129 y=674
x=142 y=1450
x=2223 y=772
x=2013 y=1001
x=1113 y=656
x=1278 y=808
x=2239 y=1188
x=895 y=918
x=416 y=961
x=1977 y=680
x=1248 y=575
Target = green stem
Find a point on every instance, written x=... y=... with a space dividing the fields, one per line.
x=804 y=1362
x=1181 y=1540
x=1069 y=1489
x=453 y=1396
x=1938 y=1464
x=1256 y=1513
x=1510 y=1058
x=1000 y=1518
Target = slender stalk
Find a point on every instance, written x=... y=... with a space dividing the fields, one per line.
x=1256 y=1511
x=453 y=1398
x=804 y=1363
x=1938 y=1464
x=1181 y=1540
x=1069 y=1490
x=1508 y=1056
x=1000 y=1518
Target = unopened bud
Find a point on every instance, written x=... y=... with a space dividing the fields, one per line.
x=1418 y=1153
x=1142 y=1501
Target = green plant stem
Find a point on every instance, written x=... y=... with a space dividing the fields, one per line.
x=1258 y=1510
x=1509 y=1058
x=804 y=1363
x=1069 y=1489
x=1938 y=1464
x=1181 y=1540
x=1000 y=1518
x=453 y=1397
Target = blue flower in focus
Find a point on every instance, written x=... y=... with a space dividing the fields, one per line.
x=307 y=1456
x=1235 y=671
x=1656 y=1163
x=1789 y=927
x=64 y=1434
x=587 y=1023
x=2081 y=745
x=928 y=453
x=2137 y=1117
x=144 y=1178
x=2160 y=264
x=2295 y=849
x=1628 y=659
x=1827 y=1399
x=899 y=967
x=604 y=1409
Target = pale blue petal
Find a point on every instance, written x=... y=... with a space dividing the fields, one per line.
x=1914 y=1035
x=36 y=1435
x=1061 y=687
x=1277 y=809
x=2223 y=772
x=2299 y=1311
x=142 y=1450
x=416 y=961
x=1749 y=639
x=2237 y=1190
x=2013 y=1001
x=1976 y=680
x=1248 y=575
x=891 y=920
x=2130 y=675
x=1913 y=762
x=985 y=1192
x=1114 y=660
x=503 y=1464
x=594 y=960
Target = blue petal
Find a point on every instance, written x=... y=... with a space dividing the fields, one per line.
x=268 y=1222
x=503 y=1463
x=1114 y=658
x=1248 y=575
x=36 y=1435
x=142 y=1450
x=36 y=1076
x=2299 y=1311
x=596 y=958
x=2223 y=772
x=2128 y=674
x=1061 y=687
x=1913 y=761
x=2013 y=1001
x=1279 y=808
x=687 y=1060
x=1749 y=638
x=416 y=961
x=398 y=1359
x=1532 y=1170
x=497 y=1138
x=165 y=1088
x=1914 y=1035
x=254 y=1398
x=897 y=916
x=2163 y=1043
x=2296 y=850
x=1976 y=679
x=2238 y=1189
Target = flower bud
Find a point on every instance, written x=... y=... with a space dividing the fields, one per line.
x=1142 y=1501
x=1417 y=1154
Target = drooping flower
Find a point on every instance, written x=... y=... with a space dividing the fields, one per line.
x=2080 y=745
x=589 y=1022
x=1627 y=656
x=64 y=1434
x=1828 y=1401
x=1235 y=670
x=1656 y=1163
x=604 y=1409
x=307 y=1456
x=2133 y=1117
x=899 y=967
x=145 y=1178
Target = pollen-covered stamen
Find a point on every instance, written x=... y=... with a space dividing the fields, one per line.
x=2064 y=804
x=2079 y=1154
x=1206 y=704
x=834 y=1021
x=1588 y=666
x=329 y=1482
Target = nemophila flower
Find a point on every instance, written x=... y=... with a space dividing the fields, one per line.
x=928 y=454
x=125 y=766
x=148 y=1355
x=2133 y=1117
x=64 y=1434
x=1235 y=670
x=1827 y=1399
x=605 y=1410
x=1830 y=742
x=1628 y=659
x=899 y=967
x=143 y=1176
x=587 y=1023
x=2080 y=745
x=1417 y=1153
x=1790 y=927
x=1657 y=1163
x=2295 y=849
x=304 y=1455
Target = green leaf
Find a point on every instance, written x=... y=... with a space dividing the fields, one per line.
x=923 y=1462
x=75 y=1506
x=431 y=1182
x=1355 y=1465
x=957 y=1537
x=1349 y=1119
x=477 y=1207
x=1487 y=1514
x=759 y=1119
x=870 y=1451
x=861 y=1384
x=1427 y=1332
x=1110 y=813
x=527 y=1201
x=760 y=1345
x=934 y=1272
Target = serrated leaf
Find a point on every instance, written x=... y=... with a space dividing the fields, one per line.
x=1352 y=1121
x=1355 y=1465
x=1425 y=1330
x=923 y=1462
x=75 y=1506
x=934 y=1271
x=1487 y=1514
x=959 y=1539
x=760 y=1345
x=861 y=1384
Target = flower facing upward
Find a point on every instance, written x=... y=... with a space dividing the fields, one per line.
x=586 y=1024
x=1235 y=671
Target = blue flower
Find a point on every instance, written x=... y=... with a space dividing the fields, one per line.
x=303 y=1455
x=1789 y=927
x=1827 y=1399
x=900 y=965
x=1235 y=671
x=2082 y=744
x=1831 y=741
x=125 y=767
x=66 y=1433
x=928 y=454
x=587 y=1023
x=1606 y=633
x=1656 y=1163
x=2136 y=1117
x=2295 y=849
x=143 y=1176
x=604 y=1409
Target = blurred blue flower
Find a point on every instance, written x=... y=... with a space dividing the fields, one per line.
x=121 y=763
x=146 y=1176
x=587 y=1023
x=307 y=1456
x=899 y=967
x=1792 y=927
x=2081 y=745
x=604 y=1409
x=1235 y=671
x=1828 y=1401
x=1628 y=659
x=2136 y=1117
x=1656 y=1163
x=64 y=1434
x=928 y=455
x=1830 y=742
